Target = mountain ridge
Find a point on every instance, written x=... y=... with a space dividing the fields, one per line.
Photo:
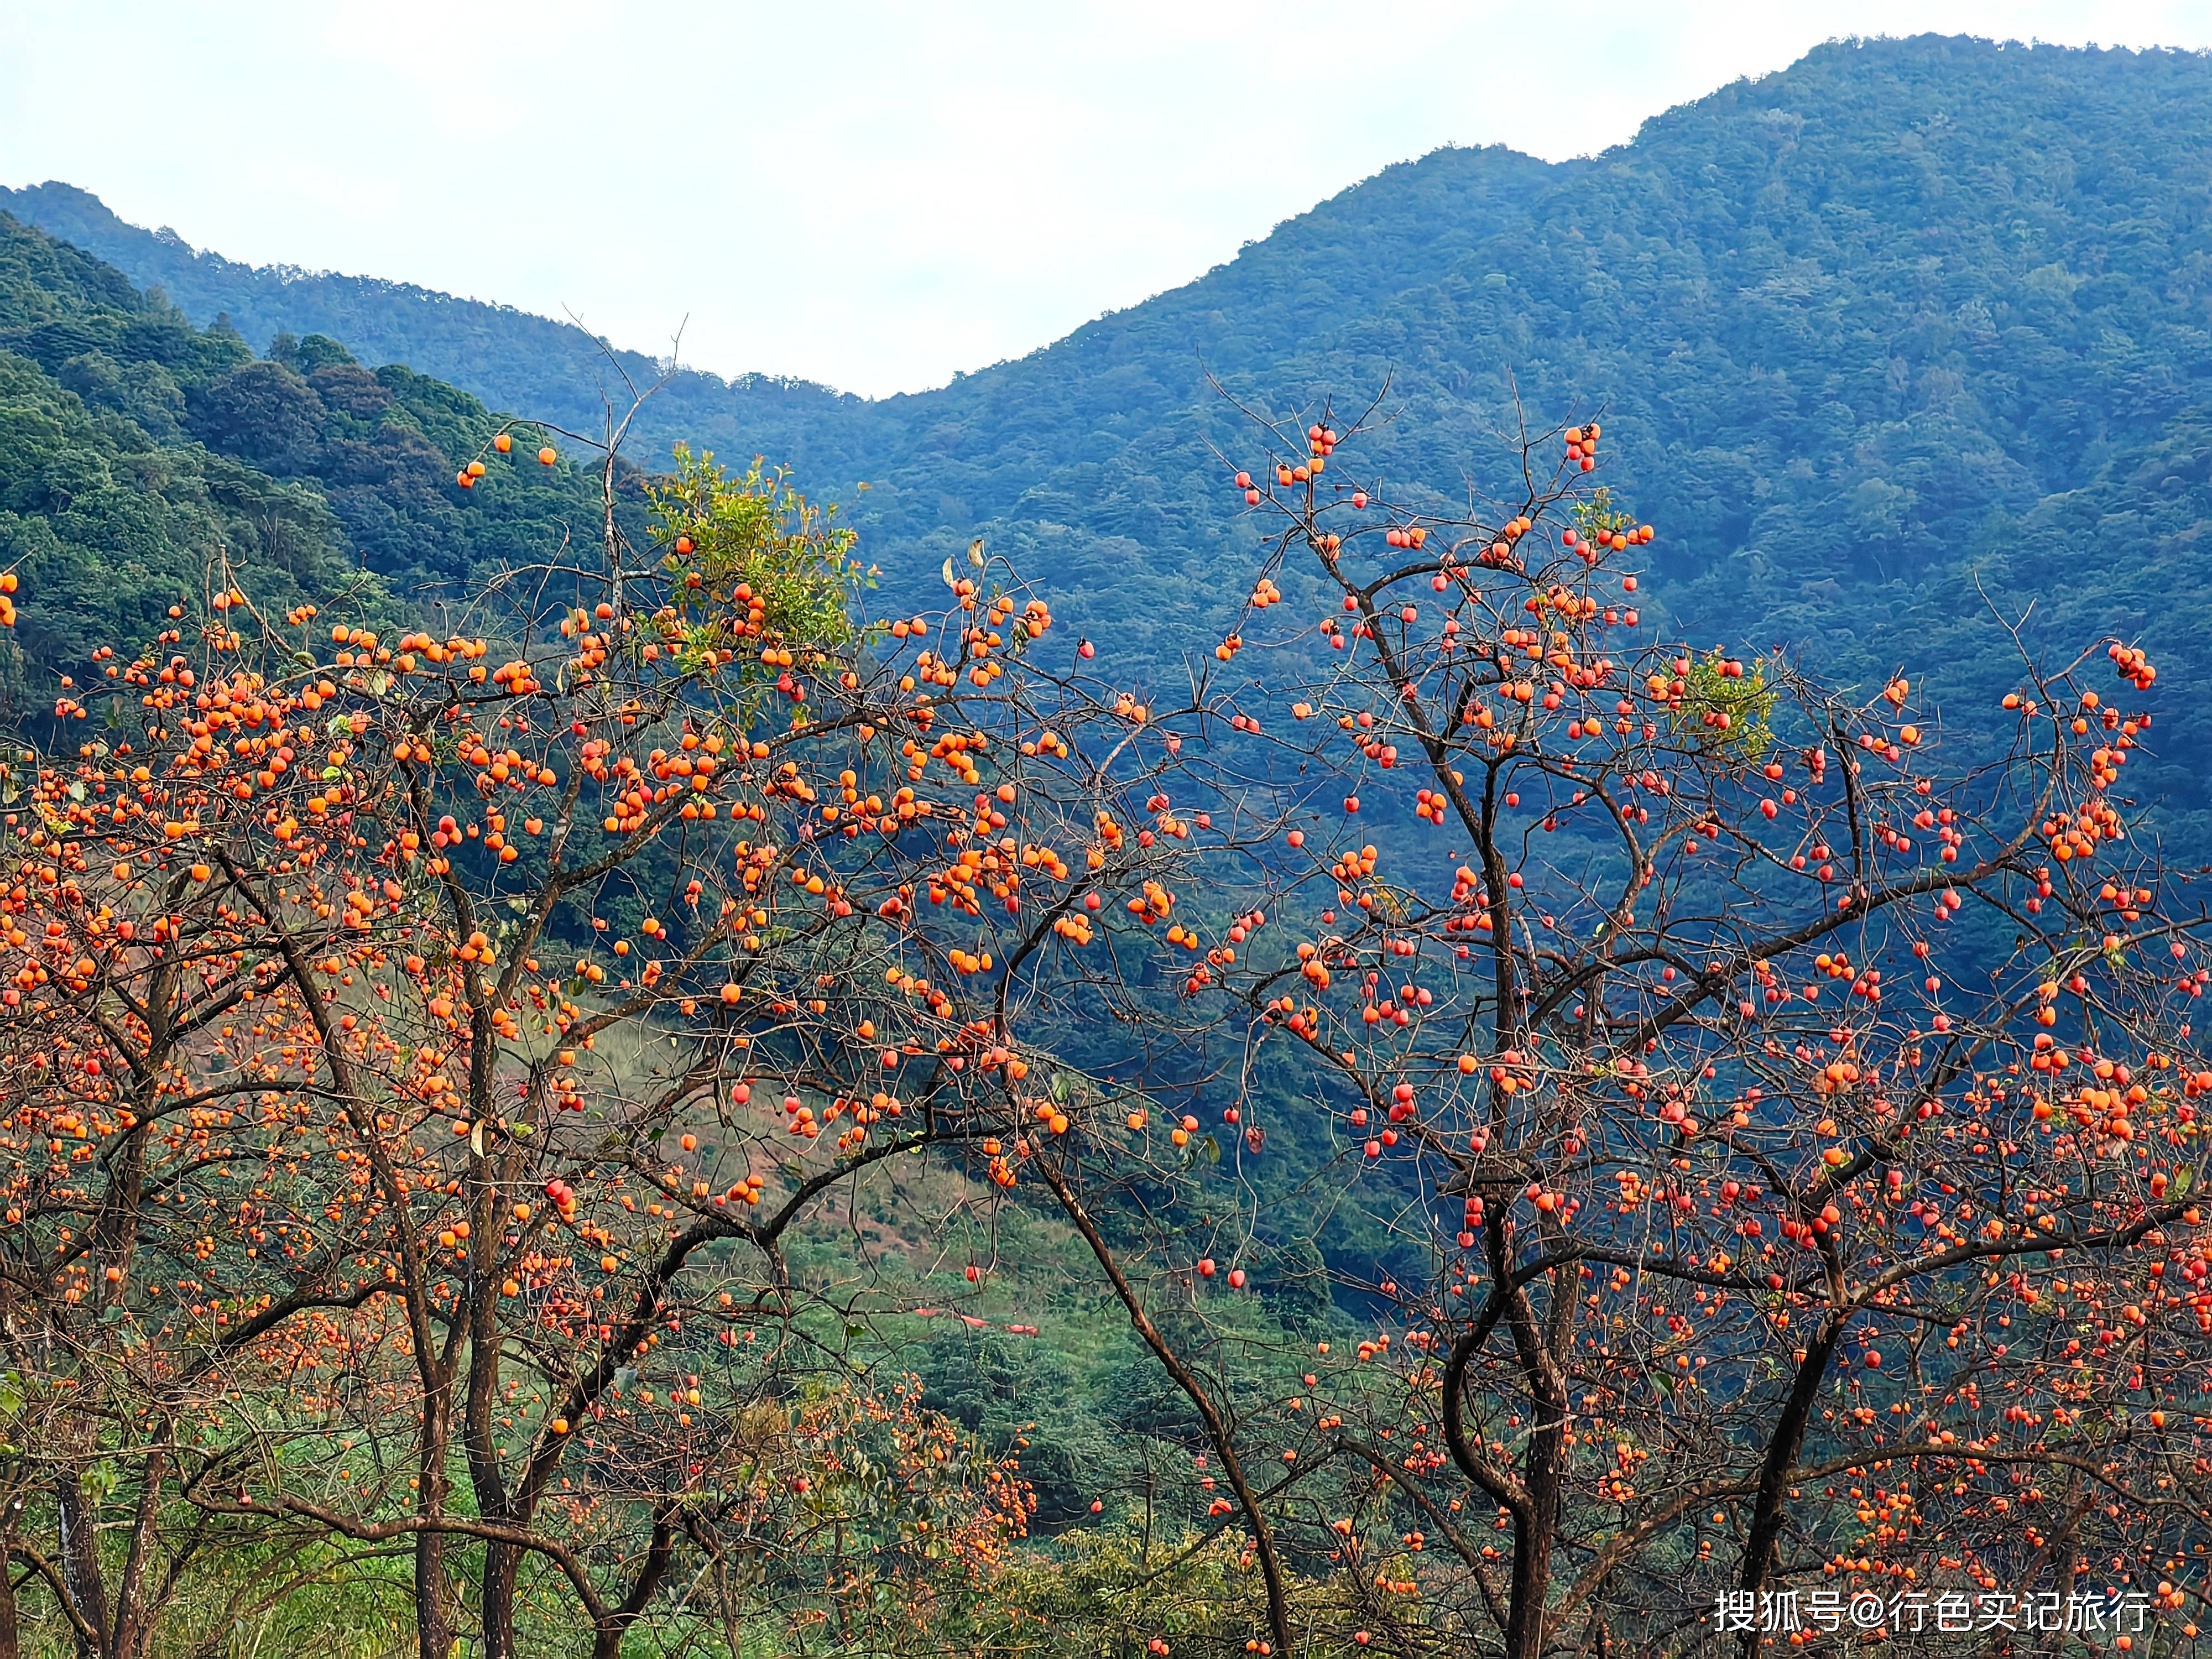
x=1870 y=335
x=264 y=301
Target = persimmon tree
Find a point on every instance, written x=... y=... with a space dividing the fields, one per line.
x=429 y=1032
x=1784 y=1103
x=1786 y=1098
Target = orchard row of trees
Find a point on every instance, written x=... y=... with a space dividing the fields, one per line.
x=455 y=1070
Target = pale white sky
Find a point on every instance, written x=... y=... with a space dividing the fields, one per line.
x=874 y=195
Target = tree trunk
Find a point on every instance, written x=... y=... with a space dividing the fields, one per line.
x=433 y=1638
x=132 y=1628
x=1762 y=1548
x=479 y=1439
x=607 y=1637
x=1545 y=1473
x=11 y=1628
x=79 y=1567
x=1533 y=1544
x=11 y=1639
x=500 y=1561
x=1768 y=1507
x=434 y=1635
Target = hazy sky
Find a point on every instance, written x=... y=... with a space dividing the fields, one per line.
x=874 y=195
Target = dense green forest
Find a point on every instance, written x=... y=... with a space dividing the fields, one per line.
x=1910 y=330
x=139 y=447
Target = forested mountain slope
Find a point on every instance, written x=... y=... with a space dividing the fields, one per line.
x=1317 y=273
x=509 y=359
x=136 y=451
x=1907 y=324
